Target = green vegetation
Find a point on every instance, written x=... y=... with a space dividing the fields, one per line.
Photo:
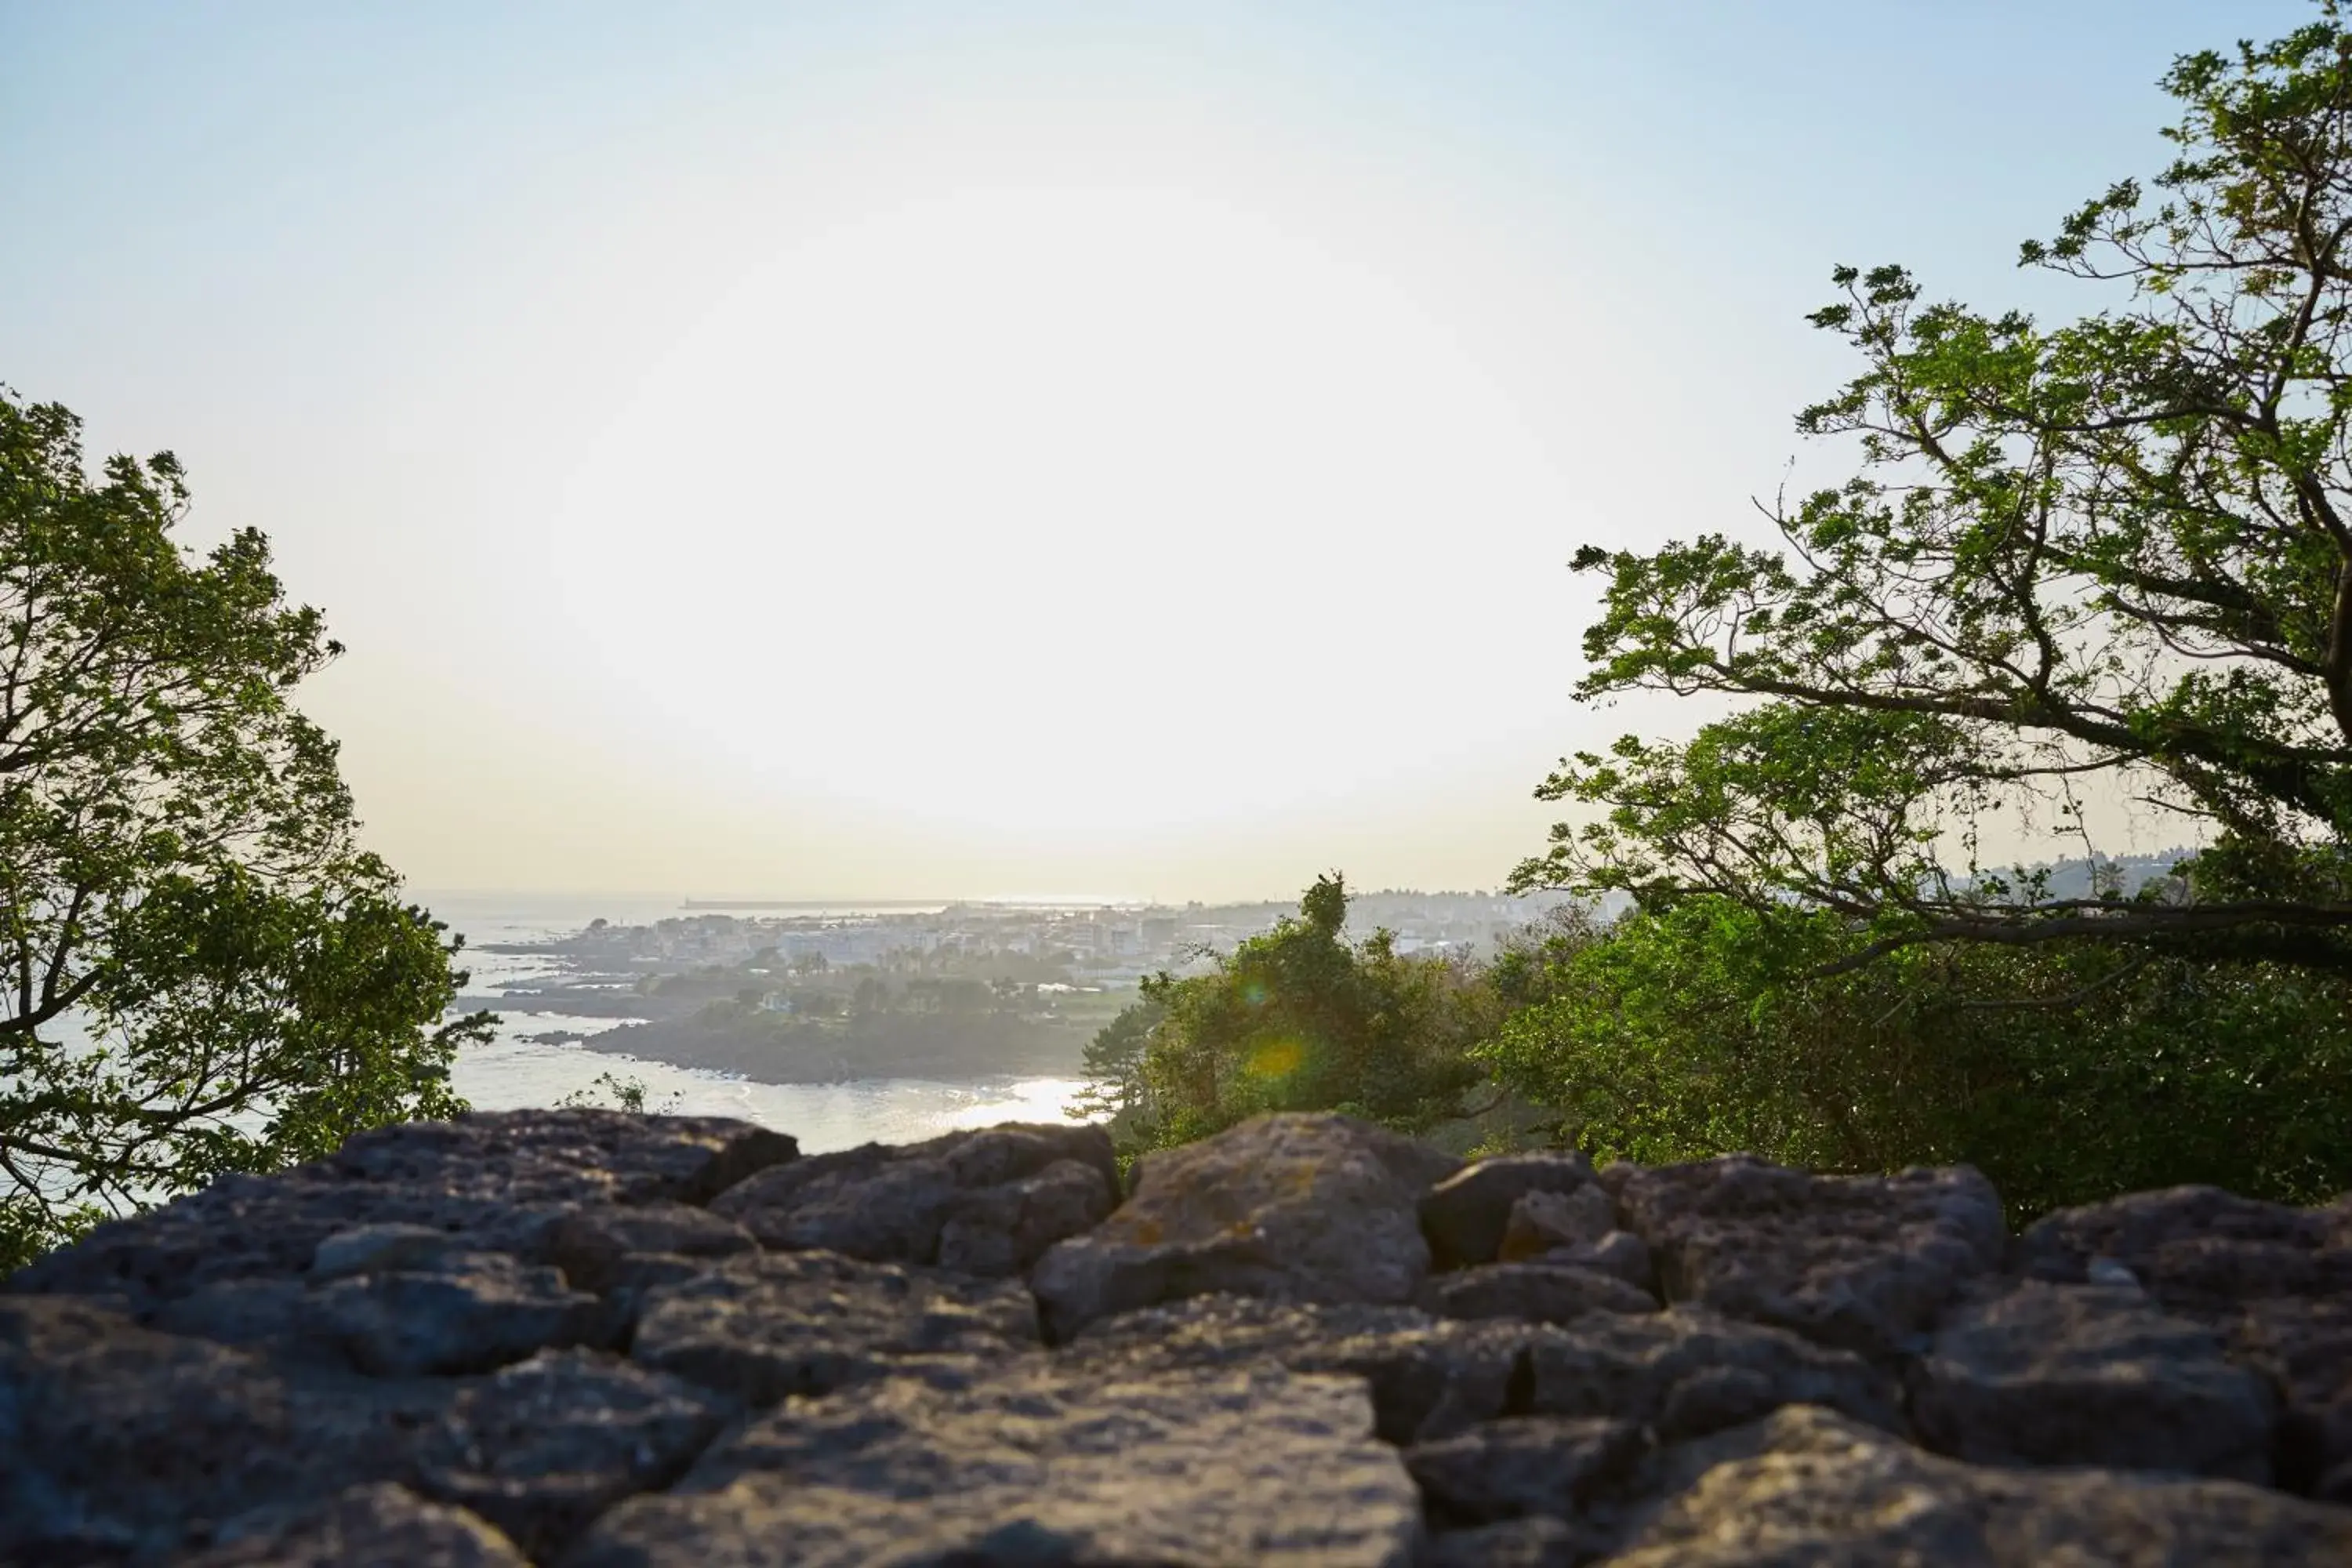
x=2104 y=562
x=1295 y=1019
x=2099 y=561
x=204 y=971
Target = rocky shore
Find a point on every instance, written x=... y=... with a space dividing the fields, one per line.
x=588 y=1338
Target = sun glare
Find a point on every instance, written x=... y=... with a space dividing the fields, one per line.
x=976 y=506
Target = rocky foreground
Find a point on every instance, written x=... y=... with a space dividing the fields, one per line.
x=594 y=1339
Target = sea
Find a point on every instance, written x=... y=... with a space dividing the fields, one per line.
x=514 y=1073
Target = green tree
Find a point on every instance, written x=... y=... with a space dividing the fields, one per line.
x=1707 y=1025
x=200 y=970
x=2107 y=559
x=1295 y=1019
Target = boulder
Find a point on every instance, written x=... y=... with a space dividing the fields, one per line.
x=543 y=1447
x=2275 y=1281
x=1542 y=1222
x=1039 y=1464
x=1538 y=1541
x=378 y=1526
x=500 y=1179
x=477 y=1310
x=2196 y=1248
x=1620 y=1254
x=1865 y=1263
x=117 y=1441
x=593 y=1246
x=1542 y=1292
x=1296 y=1207
x=1682 y=1370
x=985 y=1202
x=1463 y=1217
x=2089 y=1375
x=763 y=1325
x=1808 y=1485
x=1525 y=1465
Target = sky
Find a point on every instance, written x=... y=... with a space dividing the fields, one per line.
x=922 y=450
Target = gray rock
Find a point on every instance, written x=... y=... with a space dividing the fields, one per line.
x=479 y=1311
x=1540 y=1292
x=763 y=1325
x=1462 y=1217
x=1807 y=1486
x=2275 y=1281
x=1527 y=1464
x=1682 y=1370
x=116 y=1440
x=501 y=1179
x=543 y=1447
x=1542 y=1222
x=1313 y=1208
x=1865 y=1263
x=2088 y=1374
x=377 y=1526
x=1428 y=1376
x=593 y=1245
x=1005 y=1229
x=1620 y=1254
x=988 y=1201
x=1538 y=1540
x=2303 y=1347
x=264 y=1314
x=379 y=1248
x=1039 y=1464
x=2196 y=1248
x=1687 y=1372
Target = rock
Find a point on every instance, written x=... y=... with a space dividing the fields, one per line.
x=479 y=1311
x=1620 y=1254
x=1865 y=1263
x=500 y=1179
x=1540 y=1292
x=1312 y=1208
x=2303 y=1347
x=377 y=1248
x=378 y=1526
x=1538 y=1540
x=2089 y=1375
x=1428 y=1376
x=989 y=1201
x=1682 y=1370
x=116 y=1440
x=593 y=1246
x=1540 y=1222
x=543 y=1447
x=1005 y=1229
x=2196 y=1249
x=1527 y=1464
x=1037 y=1465
x=1807 y=1485
x=2275 y=1281
x=1463 y=1217
x=763 y=1325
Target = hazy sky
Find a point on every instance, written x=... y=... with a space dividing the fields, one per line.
x=931 y=450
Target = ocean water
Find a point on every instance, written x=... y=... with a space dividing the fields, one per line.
x=514 y=1073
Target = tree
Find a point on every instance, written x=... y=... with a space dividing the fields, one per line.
x=200 y=970
x=2109 y=559
x=1295 y=1019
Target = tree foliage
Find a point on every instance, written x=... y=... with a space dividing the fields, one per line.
x=1707 y=1027
x=200 y=970
x=2106 y=558
x=1295 y=1019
